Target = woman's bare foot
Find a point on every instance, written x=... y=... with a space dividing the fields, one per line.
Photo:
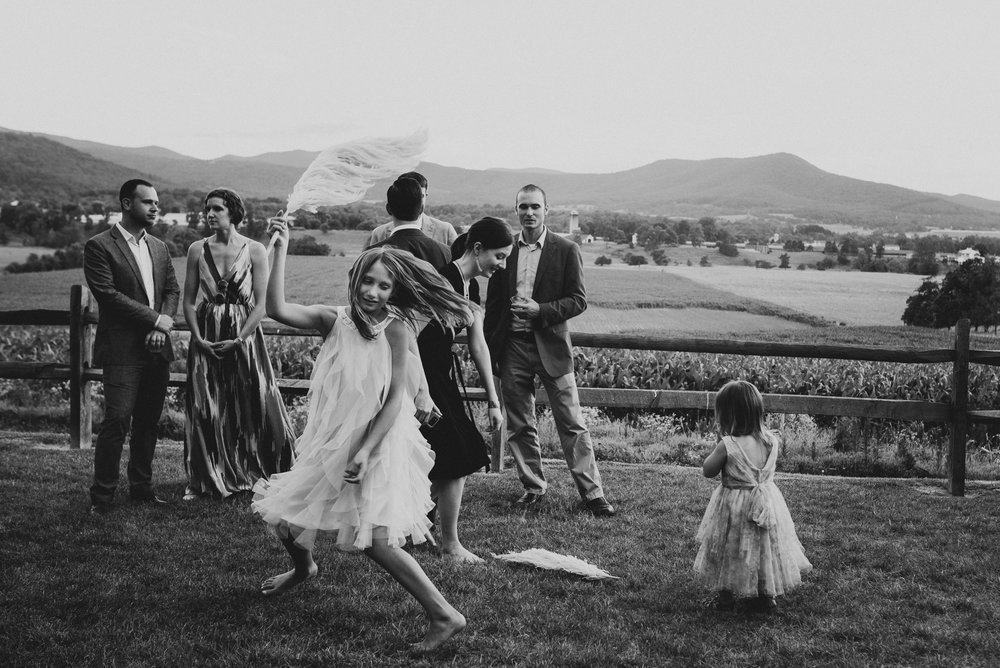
x=459 y=554
x=279 y=584
x=438 y=632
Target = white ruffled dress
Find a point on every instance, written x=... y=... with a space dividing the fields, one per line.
x=748 y=540
x=349 y=384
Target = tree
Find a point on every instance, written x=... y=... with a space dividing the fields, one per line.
x=785 y=261
x=971 y=290
x=921 y=305
x=602 y=260
x=924 y=259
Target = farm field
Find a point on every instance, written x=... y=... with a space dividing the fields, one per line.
x=666 y=321
x=850 y=297
x=9 y=254
x=678 y=299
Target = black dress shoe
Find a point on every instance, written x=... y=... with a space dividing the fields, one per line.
x=600 y=507
x=100 y=508
x=148 y=498
x=529 y=500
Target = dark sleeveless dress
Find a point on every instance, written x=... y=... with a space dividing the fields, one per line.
x=459 y=448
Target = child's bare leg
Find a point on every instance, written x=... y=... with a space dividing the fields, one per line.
x=303 y=568
x=445 y=621
x=449 y=500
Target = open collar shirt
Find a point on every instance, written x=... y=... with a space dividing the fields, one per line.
x=140 y=249
x=528 y=255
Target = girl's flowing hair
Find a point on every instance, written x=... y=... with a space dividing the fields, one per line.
x=739 y=410
x=417 y=289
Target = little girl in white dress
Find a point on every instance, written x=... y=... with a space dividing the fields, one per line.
x=748 y=541
x=361 y=463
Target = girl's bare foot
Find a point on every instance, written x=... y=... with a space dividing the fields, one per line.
x=279 y=584
x=459 y=554
x=438 y=632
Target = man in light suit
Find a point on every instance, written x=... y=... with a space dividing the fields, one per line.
x=438 y=230
x=131 y=276
x=527 y=306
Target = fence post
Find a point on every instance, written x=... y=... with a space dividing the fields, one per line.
x=960 y=408
x=81 y=343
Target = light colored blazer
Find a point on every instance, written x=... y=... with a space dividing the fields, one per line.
x=560 y=294
x=438 y=230
x=124 y=317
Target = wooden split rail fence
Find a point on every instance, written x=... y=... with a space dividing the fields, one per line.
x=82 y=320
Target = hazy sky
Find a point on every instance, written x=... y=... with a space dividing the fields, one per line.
x=899 y=92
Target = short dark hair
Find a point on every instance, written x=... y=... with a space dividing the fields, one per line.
x=416 y=176
x=127 y=191
x=405 y=199
x=234 y=203
x=532 y=188
x=488 y=231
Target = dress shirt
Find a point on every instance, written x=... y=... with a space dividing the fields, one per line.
x=140 y=249
x=527 y=267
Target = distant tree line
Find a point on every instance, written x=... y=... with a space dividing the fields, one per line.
x=970 y=290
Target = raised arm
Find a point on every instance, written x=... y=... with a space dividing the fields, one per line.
x=398 y=337
x=294 y=315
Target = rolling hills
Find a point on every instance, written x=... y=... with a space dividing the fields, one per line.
x=779 y=183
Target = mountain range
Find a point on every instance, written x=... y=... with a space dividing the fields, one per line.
x=34 y=165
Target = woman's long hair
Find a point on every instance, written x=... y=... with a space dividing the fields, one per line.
x=739 y=410
x=417 y=289
x=490 y=232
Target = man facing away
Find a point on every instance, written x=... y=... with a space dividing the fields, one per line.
x=527 y=306
x=436 y=229
x=404 y=201
x=130 y=275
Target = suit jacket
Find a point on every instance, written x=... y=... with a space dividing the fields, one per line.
x=420 y=245
x=124 y=317
x=560 y=294
x=438 y=230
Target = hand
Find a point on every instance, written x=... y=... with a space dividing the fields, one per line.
x=155 y=341
x=495 y=417
x=424 y=405
x=224 y=347
x=524 y=309
x=164 y=323
x=208 y=348
x=278 y=225
x=357 y=468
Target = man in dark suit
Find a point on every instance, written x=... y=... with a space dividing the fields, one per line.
x=438 y=230
x=405 y=203
x=131 y=276
x=527 y=306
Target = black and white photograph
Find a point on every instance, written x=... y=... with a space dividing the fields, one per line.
x=463 y=333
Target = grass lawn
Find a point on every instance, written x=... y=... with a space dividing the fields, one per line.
x=903 y=575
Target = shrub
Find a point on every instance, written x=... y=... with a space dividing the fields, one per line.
x=307 y=245
x=602 y=260
x=729 y=250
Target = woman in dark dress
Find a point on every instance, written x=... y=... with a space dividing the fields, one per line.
x=457 y=443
